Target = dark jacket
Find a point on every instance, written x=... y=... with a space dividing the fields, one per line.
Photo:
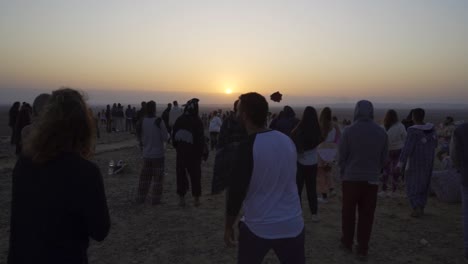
x=188 y=136
x=287 y=122
x=56 y=207
x=459 y=151
x=363 y=147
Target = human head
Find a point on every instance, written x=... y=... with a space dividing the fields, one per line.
x=253 y=109
x=65 y=126
x=391 y=117
x=39 y=103
x=191 y=107
x=418 y=115
x=151 y=109
x=175 y=103
x=235 y=105
x=364 y=110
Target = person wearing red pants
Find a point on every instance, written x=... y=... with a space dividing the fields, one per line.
x=363 y=150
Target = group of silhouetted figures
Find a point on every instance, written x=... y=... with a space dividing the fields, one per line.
x=262 y=163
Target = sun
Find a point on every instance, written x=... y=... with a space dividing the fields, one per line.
x=228 y=91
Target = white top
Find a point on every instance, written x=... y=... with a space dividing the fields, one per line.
x=215 y=124
x=308 y=158
x=153 y=138
x=331 y=135
x=271 y=207
x=175 y=112
x=396 y=136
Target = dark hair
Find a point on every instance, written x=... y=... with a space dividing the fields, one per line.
x=255 y=107
x=307 y=132
x=65 y=125
x=418 y=114
x=235 y=105
x=390 y=119
x=151 y=109
x=325 y=121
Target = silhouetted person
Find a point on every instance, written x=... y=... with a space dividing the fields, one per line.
x=230 y=136
x=307 y=136
x=189 y=141
x=58 y=198
x=152 y=134
x=417 y=157
x=128 y=118
x=264 y=184
x=108 y=119
x=23 y=119
x=408 y=121
x=40 y=102
x=175 y=112
x=165 y=116
x=363 y=150
x=459 y=156
x=12 y=116
x=286 y=121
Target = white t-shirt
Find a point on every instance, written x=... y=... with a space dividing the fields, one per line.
x=215 y=124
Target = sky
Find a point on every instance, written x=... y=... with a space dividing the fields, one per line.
x=311 y=51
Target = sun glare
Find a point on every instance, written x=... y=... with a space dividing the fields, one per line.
x=228 y=91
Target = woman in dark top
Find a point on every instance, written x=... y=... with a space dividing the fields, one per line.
x=58 y=199
x=306 y=137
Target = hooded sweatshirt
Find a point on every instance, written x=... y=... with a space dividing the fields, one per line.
x=419 y=150
x=363 y=147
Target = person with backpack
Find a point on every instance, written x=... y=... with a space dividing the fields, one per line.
x=152 y=134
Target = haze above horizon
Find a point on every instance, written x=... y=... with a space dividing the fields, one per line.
x=322 y=51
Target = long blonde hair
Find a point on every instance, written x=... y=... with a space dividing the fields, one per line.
x=65 y=125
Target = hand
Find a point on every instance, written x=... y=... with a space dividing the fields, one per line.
x=229 y=237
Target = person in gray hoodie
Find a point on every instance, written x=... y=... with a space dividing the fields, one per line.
x=459 y=156
x=362 y=152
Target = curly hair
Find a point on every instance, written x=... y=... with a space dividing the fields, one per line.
x=65 y=125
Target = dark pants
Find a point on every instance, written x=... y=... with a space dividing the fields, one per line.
x=152 y=170
x=308 y=175
x=214 y=139
x=109 y=125
x=192 y=165
x=128 y=124
x=252 y=249
x=363 y=196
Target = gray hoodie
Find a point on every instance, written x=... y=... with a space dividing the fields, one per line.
x=363 y=146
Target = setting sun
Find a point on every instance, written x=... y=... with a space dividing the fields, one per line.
x=228 y=91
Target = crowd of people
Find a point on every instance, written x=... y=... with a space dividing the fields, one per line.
x=262 y=160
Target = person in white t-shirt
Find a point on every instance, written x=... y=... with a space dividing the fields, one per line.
x=263 y=182
x=396 y=133
x=152 y=134
x=215 y=127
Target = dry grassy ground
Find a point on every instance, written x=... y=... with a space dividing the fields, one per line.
x=169 y=234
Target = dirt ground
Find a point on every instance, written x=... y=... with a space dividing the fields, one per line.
x=169 y=234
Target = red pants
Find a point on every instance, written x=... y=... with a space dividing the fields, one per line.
x=363 y=196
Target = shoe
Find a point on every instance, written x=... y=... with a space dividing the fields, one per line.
x=181 y=201
x=322 y=200
x=196 y=202
x=382 y=194
x=315 y=218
